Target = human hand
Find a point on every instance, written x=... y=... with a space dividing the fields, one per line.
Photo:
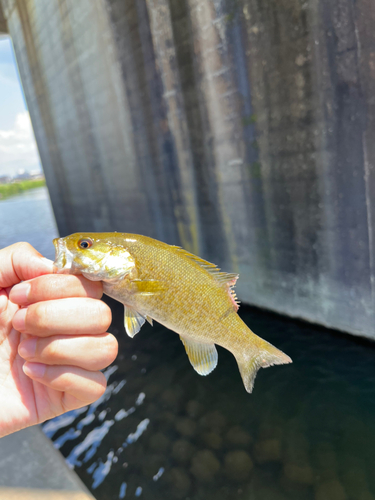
x=57 y=324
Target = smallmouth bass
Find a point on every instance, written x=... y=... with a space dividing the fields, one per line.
x=157 y=281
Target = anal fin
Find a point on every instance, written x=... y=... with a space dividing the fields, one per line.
x=133 y=321
x=203 y=357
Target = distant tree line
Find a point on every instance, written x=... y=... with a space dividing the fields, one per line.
x=14 y=188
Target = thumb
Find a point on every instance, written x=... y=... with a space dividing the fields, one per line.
x=20 y=262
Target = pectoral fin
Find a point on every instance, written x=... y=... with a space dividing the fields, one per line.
x=133 y=321
x=203 y=357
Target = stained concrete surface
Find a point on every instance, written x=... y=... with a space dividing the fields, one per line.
x=31 y=468
x=3 y=24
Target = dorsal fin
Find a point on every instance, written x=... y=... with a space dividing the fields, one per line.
x=233 y=296
x=221 y=277
x=227 y=279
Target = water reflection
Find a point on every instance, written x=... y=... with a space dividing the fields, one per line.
x=51 y=427
x=161 y=431
x=122 y=490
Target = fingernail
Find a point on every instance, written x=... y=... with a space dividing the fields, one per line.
x=47 y=263
x=20 y=293
x=19 y=320
x=27 y=348
x=35 y=370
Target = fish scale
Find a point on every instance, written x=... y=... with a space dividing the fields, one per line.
x=161 y=282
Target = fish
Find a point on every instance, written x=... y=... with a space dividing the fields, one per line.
x=159 y=282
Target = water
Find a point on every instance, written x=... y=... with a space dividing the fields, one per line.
x=28 y=217
x=162 y=431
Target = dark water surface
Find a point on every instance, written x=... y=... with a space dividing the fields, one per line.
x=163 y=432
x=28 y=217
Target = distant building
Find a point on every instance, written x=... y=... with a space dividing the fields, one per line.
x=22 y=175
x=25 y=175
x=36 y=175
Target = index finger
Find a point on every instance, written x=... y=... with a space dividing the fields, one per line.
x=21 y=262
x=54 y=286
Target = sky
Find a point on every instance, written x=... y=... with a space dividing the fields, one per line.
x=18 y=150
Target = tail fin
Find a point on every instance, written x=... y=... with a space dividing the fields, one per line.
x=259 y=356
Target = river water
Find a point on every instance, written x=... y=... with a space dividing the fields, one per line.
x=163 y=432
x=28 y=217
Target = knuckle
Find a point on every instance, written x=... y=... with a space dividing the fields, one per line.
x=41 y=288
x=23 y=246
x=66 y=382
x=45 y=283
x=50 y=286
x=50 y=350
x=37 y=316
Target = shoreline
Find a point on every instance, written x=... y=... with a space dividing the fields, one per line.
x=8 y=190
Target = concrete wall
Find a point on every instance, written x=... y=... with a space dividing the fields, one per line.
x=243 y=130
x=3 y=24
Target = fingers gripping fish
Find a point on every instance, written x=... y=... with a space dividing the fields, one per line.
x=160 y=282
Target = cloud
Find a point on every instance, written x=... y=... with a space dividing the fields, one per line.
x=17 y=147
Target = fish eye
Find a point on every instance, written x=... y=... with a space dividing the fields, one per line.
x=85 y=243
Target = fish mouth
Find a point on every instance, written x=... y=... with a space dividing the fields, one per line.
x=63 y=258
